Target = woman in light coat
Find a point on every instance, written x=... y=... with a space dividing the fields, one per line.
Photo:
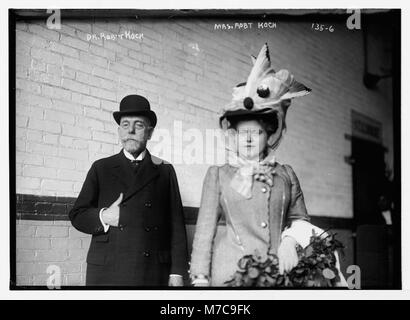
x=259 y=199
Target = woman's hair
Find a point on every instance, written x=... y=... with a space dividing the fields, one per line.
x=268 y=121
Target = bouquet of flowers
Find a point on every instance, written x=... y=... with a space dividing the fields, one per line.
x=316 y=267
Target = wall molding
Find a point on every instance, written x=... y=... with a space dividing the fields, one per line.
x=48 y=208
x=56 y=208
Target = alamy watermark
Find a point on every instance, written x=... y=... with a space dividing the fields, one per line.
x=54 y=280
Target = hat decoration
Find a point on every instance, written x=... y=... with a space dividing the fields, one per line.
x=265 y=91
x=264 y=86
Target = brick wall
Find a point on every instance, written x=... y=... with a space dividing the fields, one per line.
x=41 y=244
x=68 y=87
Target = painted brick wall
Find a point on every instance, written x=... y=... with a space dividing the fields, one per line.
x=41 y=244
x=68 y=87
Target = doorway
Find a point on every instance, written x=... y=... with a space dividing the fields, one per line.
x=372 y=250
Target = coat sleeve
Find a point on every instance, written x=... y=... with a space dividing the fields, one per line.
x=297 y=208
x=179 y=251
x=85 y=215
x=206 y=225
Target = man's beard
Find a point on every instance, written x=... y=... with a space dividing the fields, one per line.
x=133 y=146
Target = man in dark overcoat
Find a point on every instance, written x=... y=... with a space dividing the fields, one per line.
x=131 y=205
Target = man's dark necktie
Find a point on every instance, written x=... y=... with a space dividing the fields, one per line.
x=135 y=164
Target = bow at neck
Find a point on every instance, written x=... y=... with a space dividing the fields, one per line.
x=248 y=170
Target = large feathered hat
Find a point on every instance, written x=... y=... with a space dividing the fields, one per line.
x=264 y=92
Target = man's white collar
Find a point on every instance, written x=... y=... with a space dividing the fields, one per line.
x=131 y=157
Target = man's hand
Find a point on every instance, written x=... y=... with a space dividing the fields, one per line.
x=288 y=257
x=111 y=215
x=175 y=281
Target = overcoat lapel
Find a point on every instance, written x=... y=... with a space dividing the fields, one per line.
x=145 y=174
x=121 y=170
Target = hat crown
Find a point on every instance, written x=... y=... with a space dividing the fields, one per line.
x=134 y=102
x=135 y=105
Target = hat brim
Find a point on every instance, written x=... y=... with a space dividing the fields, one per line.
x=146 y=113
x=245 y=112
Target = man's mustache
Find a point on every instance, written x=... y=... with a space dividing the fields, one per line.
x=130 y=139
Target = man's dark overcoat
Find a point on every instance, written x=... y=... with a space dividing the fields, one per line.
x=149 y=243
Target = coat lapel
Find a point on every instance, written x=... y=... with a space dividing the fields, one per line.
x=146 y=173
x=121 y=171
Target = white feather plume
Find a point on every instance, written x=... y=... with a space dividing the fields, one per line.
x=261 y=64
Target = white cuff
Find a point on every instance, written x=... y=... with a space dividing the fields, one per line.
x=175 y=275
x=106 y=226
x=301 y=231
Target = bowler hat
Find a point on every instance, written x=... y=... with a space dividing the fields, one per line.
x=135 y=105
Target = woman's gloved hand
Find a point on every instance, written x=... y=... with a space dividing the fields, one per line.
x=287 y=254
